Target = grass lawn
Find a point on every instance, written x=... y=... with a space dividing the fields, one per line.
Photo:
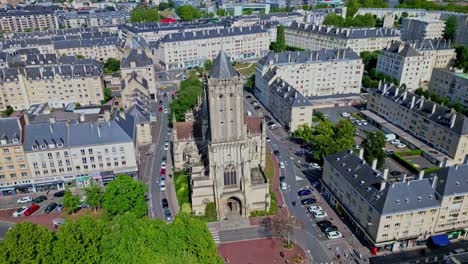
x=86 y=212
x=182 y=188
x=167 y=13
x=269 y=173
x=244 y=69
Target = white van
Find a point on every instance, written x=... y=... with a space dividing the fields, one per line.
x=390 y=137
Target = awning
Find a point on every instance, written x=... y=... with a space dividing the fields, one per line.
x=439 y=240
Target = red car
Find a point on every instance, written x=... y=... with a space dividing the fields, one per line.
x=160 y=109
x=163 y=172
x=33 y=208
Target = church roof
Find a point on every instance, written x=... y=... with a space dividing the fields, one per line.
x=187 y=130
x=254 y=125
x=222 y=68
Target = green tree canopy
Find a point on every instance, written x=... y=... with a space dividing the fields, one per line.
x=354 y=5
x=125 y=194
x=188 y=12
x=332 y=19
x=94 y=196
x=111 y=65
x=461 y=60
x=142 y=14
x=187 y=97
x=280 y=44
x=70 y=202
x=450 y=30
x=27 y=243
x=373 y=148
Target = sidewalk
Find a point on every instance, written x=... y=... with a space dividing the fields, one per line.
x=170 y=190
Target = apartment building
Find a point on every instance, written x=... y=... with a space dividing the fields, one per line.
x=187 y=50
x=79 y=19
x=42 y=43
x=450 y=83
x=311 y=73
x=50 y=79
x=14 y=173
x=63 y=154
x=100 y=49
x=412 y=63
x=390 y=213
x=138 y=76
x=22 y=21
x=437 y=126
x=419 y=28
x=313 y=37
x=151 y=32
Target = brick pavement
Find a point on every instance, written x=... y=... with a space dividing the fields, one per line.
x=259 y=251
x=40 y=219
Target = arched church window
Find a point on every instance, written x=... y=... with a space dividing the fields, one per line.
x=230 y=177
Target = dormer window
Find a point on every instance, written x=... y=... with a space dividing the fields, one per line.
x=15 y=140
x=43 y=147
x=60 y=145
x=35 y=147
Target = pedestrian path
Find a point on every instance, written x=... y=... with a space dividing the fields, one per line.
x=215 y=235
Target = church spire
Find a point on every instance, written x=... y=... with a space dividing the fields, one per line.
x=222 y=68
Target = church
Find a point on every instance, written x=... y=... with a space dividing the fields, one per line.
x=223 y=150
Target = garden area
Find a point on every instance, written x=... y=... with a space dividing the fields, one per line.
x=269 y=173
x=246 y=69
x=414 y=161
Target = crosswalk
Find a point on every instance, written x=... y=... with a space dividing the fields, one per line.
x=215 y=235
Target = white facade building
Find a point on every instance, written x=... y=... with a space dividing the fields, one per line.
x=422 y=28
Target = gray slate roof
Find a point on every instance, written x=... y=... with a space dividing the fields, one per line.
x=139 y=57
x=288 y=94
x=10 y=130
x=345 y=33
x=294 y=57
x=213 y=33
x=394 y=198
x=222 y=67
x=452 y=180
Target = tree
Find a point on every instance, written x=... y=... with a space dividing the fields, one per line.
x=208 y=65
x=320 y=115
x=283 y=225
x=461 y=60
x=373 y=148
x=94 y=196
x=8 y=111
x=250 y=83
x=221 y=12
x=369 y=59
x=125 y=194
x=80 y=241
x=210 y=211
x=165 y=5
x=332 y=19
x=27 y=243
x=281 y=38
x=107 y=95
x=111 y=65
x=70 y=202
x=188 y=12
x=451 y=25
x=187 y=97
x=144 y=14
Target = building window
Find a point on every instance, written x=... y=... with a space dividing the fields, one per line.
x=83 y=152
x=13 y=175
x=24 y=174
x=6 y=150
x=230 y=177
x=90 y=151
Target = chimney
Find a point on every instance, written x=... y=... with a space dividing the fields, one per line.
x=361 y=154
x=374 y=164
x=385 y=174
x=434 y=182
x=51 y=129
x=403 y=179
x=421 y=102
x=412 y=102
x=52 y=120
x=404 y=95
x=396 y=91
x=82 y=118
x=107 y=115
x=98 y=130
x=452 y=120
x=26 y=118
x=421 y=175
x=434 y=106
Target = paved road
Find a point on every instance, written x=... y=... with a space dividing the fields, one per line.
x=4 y=226
x=153 y=166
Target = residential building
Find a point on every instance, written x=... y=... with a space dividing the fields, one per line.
x=305 y=75
x=419 y=28
x=412 y=63
x=439 y=127
x=22 y=21
x=313 y=37
x=316 y=17
x=238 y=9
x=142 y=118
x=450 y=83
x=224 y=151
x=14 y=172
x=138 y=67
x=53 y=80
x=187 y=50
x=43 y=44
x=390 y=213
x=63 y=154
x=79 y=19
x=99 y=46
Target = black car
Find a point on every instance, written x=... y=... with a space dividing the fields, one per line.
x=330 y=229
x=50 y=208
x=308 y=201
x=248 y=96
x=167 y=214
x=396 y=173
x=324 y=224
x=165 y=203
x=160 y=102
x=282 y=178
x=270 y=123
x=267 y=118
x=276 y=152
x=59 y=194
x=257 y=107
x=39 y=199
x=164 y=158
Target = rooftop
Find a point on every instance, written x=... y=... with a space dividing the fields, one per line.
x=213 y=33
x=222 y=67
x=288 y=94
x=346 y=33
x=294 y=57
x=10 y=131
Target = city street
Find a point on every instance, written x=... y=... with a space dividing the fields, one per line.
x=298 y=176
x=152 y=166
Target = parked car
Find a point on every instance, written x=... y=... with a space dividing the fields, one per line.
x=162 y=172
x=334 y=235
x=167 y=214
x=304 y=192
x=345 y=114
x=59 y=208
x=31 y=209
x=364 y=122
x=314 y=166
x=308 y=201
x=281 y=165
x=165 y=110
x=396 y=173
x=248 y=96
x=59 y=193
x=320 y=214
x=164 y=158
x=39 y=199
x=284 y=186
x=166 y=145
x=162 y=186
x=330 y=229
x=314 y=208
x=160 y=109
x=276 y=152
x=163 y=164
x=268 y=139
x=257 y=107
x=316 y=184
x=25 y=199
x=50 y=207
x=401 y=145
x=395 y=141
x=274 y=126
x=165 y=203
x=20 y=211
x=324 y=224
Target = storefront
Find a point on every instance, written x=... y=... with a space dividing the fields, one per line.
x=24 y=188
x=82 y=181
x=49 y=186
x=5 y=191
x=69 y=181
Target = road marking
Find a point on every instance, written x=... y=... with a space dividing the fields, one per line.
x=215 y=235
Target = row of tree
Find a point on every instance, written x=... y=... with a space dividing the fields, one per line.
x=123 y=234
x=141 y=14
x=371 y=78
x=354 y=5
x=187 y=97
x=429 y=5
x=461 y=61
x=189 y=13
x=332 y=19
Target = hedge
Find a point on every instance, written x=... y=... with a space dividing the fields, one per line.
x=399 y=156
x=416 y=152
x=406 y=163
